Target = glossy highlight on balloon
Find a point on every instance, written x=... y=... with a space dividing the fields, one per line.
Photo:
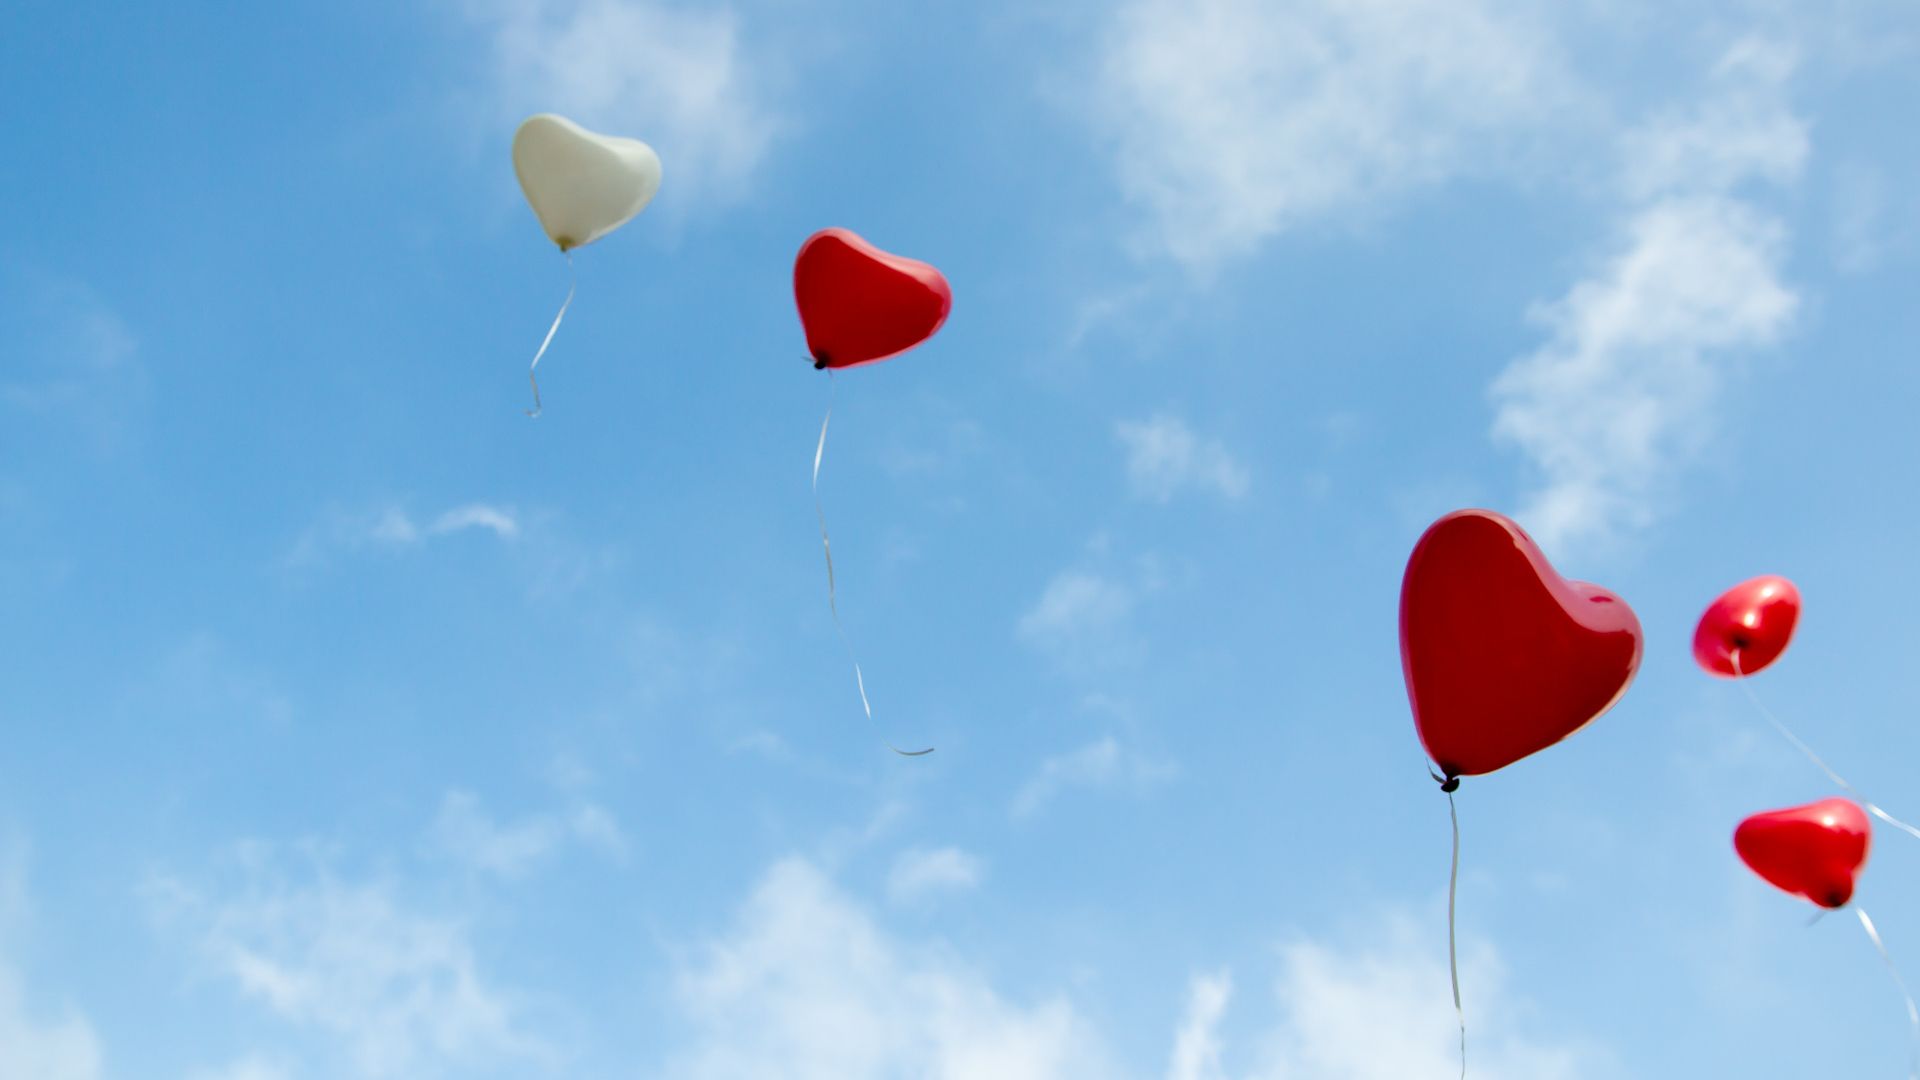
x=859 y=304
x=1502 y=656
x=1814 y=851
x=1747 y=627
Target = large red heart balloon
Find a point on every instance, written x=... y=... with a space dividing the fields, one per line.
x=859 y=304
x=1748 y=627
x=1815 y=851
x=1503 y=657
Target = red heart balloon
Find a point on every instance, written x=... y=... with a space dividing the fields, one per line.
x=1815 y=851
x=859 y=304
x=1753 y=622
x=1502 y=656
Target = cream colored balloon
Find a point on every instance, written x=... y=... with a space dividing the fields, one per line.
x=582 y=185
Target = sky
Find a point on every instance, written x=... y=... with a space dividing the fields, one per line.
x=357 y=726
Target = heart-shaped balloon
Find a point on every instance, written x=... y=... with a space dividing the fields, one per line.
x=1748 y=627
x=859 y=304
x=1815 y=851
x=582 y=185
x=1502 y=656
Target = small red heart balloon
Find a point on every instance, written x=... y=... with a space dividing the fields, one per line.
x=1815 y=851
x=1748 y=627
x=859 y=304
x=1502 y=656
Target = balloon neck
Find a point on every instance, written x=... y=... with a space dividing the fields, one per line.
x=1450 y=785
x=819 y=361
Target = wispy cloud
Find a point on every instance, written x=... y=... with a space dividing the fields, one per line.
x=806 y=984
x=1104 y=763
x=1741 y=131
x=72 y=362
x=1383 y=1012
x=207 y=679
x=1867 y=219
x=35 y=1044
x=492 y=519
x=1083 y=621
x=681 y=77
x=1196 y=1047
x=251 y=1068
x=919 y=873
x=1234 y=120
x=465 y=832
x=62 y=1047
x=1075 y=606
x=1166 y=457
x=393 y=528
x=1624 y=388
x=399 y=991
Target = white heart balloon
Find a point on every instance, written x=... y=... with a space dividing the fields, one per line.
x=582 y=185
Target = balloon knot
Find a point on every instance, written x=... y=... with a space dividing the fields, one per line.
x=1450 y=785
x=820 y=362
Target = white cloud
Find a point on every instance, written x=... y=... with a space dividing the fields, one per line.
x=1164 y=457
x=72 y=361
x=61 y=1047
x=1102 y=764
x=1083 y=619
x=35 y=1045
x=1234 y=120
x=393 y=528
x=766 y=744
x=920 y=873
x=1075 y=606
x=1624 y=388
x=807 y=987
x=251 y=1068
x=1866 y=224
x=210 y=680
x=464 y=831
x=1196 y=1047
x=399 y=992
x=1385 y=1012
x=681 y=77
x=1741 y=132
x=493 y=519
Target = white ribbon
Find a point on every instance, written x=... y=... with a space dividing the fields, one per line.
x=1453 y=961
x=573 y=282
x=833 y=603
x=1913 y=1014
x=1838 y=780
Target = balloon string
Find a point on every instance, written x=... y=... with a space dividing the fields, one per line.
x=1453 y=958
x=573 y=282
x=1913 y=1013
x=833 y=603
x=1838 y=780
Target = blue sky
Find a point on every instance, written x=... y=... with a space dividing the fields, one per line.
x=357 y=726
